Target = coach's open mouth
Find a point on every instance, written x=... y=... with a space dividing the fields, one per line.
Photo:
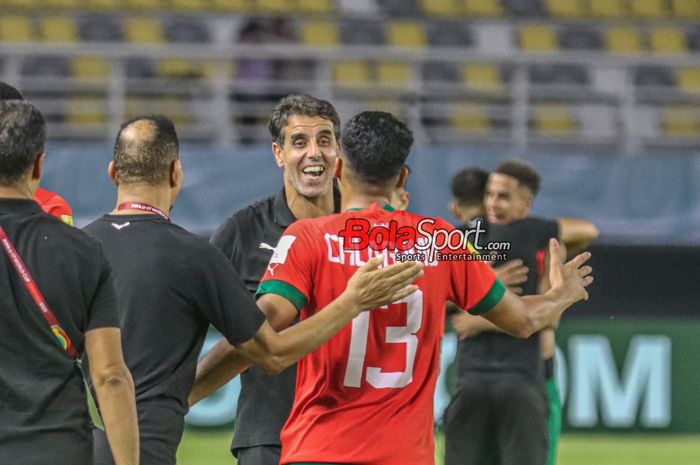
x=315 y=170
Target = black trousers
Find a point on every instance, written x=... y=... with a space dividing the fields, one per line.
x=160 y=429
x=259 y=455
x=494 y=420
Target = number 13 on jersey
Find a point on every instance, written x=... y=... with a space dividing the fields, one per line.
x=394 y=335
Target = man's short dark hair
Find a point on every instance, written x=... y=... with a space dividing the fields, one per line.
x=22 y=139
x=376 y=144
x=524 y=172
x=7 y=92
x=469 y=185
x=304 y=105
x=146 y=159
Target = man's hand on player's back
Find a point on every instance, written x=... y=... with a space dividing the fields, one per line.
x=570 y=278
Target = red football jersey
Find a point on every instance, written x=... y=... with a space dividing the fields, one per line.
x=366 y=396
x=54 y=205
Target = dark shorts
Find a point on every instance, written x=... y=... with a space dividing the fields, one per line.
x=497 y=420
x=259 y=455
x=160 y=429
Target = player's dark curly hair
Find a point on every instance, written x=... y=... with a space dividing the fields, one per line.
x=7 y=92
x=376 y=144
x=524 y=172
x=304 y=105
x=146 y=159
x=469 y=185
x=22 y=139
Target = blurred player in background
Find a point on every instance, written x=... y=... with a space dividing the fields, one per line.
x=172 y=285
x=50 y=202
x=510 y=423
x=72 y=309
x=366 y=396
x=305 y=135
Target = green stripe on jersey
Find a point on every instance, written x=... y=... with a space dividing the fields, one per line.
x=490 y=300
x=283 y=289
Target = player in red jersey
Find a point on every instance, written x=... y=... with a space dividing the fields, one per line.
x=54 y=205
x=366 y=396
x=50 y=203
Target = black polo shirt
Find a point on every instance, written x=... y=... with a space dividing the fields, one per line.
x=492 y=352
x=248 y=239
x=43 y=413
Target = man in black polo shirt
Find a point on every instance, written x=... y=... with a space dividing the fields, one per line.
x=507 y=423
x=305 y=133
x=43 y=401
x=173 y=284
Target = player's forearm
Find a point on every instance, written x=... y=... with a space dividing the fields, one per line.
x=577 y=233
x=115 y=394
x=275 y=352
x=544 y=311
x=221 y=364
x=467 y=326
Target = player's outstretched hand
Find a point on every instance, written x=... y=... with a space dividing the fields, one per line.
x=512 y=274
x=371 y=287
x=571 y=278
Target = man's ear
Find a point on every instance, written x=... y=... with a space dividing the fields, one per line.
x=175 y=173
x=403 y=177
x=277 y=152
x=455 y=210
x=112 y=173
x=38 y=167
x=338 y=167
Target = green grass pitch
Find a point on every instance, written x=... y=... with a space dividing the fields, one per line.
x=200 y=447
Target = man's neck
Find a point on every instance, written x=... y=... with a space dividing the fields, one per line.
x=359 y=200
x=304 y=207
x=154 y=196
x=16 y=192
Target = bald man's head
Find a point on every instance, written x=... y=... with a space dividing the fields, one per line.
x=144 y=150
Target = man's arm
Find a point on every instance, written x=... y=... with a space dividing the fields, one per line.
x=368 y=288
x=577 y=233
x=114 y=388
x=523 y=316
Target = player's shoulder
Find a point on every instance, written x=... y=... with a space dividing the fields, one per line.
x=248 y=216
x=68 y=236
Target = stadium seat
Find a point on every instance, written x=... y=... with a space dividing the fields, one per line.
x=100 y=28
x=351 y=73
x=275 y=7
x=469 y=118
x=441 y=8
x=623 y=39
x=189 y=5
x=320 y=33
x=86 y=111
x=143 y=31
x=686 y=9
x=449 y=34
x=553 y=119
x=388 y=105
x=406 y=34
x=580 y=38
x=487 y=8
x=49 y=66
x=524 y=8
x=668 y=40
x=693 y=38
x=233 y=6
x=103 y=5
x=681 y=121
x=649 y=9
x=538 y=38
x=482 y=76
x=546 y=73
x=316 y=6
x=689 y=80
x=60 y=4
x=58 y=29
x=393 y=73
x=654 y=76
x=608 y=8
x=186 y=29
x=181 y=68
x=16 y=29
x=440 y=72
x=398 y=8
x=566 y=8
x=173 y=107
x=91 y=68
x=362 y=32
x=19 y=4
x=145 y=5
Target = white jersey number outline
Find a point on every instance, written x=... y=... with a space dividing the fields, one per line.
x=394 y=335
